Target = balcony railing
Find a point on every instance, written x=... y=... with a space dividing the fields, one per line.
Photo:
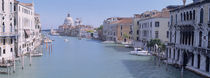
x=10 y=34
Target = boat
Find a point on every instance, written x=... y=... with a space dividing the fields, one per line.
x=139 y=52
x=128 y=46
x=108 y=42
x=66 y=40
x=36 y=54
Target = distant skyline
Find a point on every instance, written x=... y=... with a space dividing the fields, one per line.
x=93 y=12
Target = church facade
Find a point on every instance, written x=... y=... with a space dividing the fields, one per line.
x=74 y=28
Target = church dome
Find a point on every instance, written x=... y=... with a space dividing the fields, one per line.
x=69 y=21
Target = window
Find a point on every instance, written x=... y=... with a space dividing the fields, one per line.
x=4 y=52
x=176 y=18
x=11 y=7
x=184 y=16
x=209 y=40
x=171 y=20
x=137 y=32
x=190 y=15
x=3 y=27
x=151 y=24
x=193 y=14
x=145 y=33
x=181 y=17
x=10 y=27
x=187 y=16
x=201 y=15
x=138 y=23
x=121 y=27
x=4 y=41
x=156 y=34
x=121 y=34
x=157 y=24
x=137 y=38
x=11 y=41
x=170 y=36
x=0 y=51
x=175 y=37
x=200 y=39
x=14 y=8
x=167 y=34
x=2 y=5
x=11 y=50
x=199 y=58
x=209 y=14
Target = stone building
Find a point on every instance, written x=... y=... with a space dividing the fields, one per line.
x=118 y=29
x=7 y=30
x=25 y=21
x=67 y=26
x=189 y=41
x=151 y=25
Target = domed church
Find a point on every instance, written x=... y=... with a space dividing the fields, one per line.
x=69 y=21
x=67 y=25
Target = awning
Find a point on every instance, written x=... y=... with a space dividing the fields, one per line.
x=27 y=32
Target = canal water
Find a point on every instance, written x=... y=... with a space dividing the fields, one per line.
x=91 y=59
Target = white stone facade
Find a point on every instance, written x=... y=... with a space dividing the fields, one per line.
x=189 y=43
x=25 y=18
x=7 y=30
x=153 y=28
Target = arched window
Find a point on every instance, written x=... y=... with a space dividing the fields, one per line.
x=187 y=16
x=181 y=17
x=190 y=15
x=176 y=18
x=11 y=7
x=3 y=27
x=10 y=27
x=209 y=14
x=193 y=14
x=172 y=20
x=2 y=5
x=201 y=15
x=200 y=39
x=184 y=16
x=209 y=40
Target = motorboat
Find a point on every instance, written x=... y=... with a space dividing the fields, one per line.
x=128 y=46
x=135 y=51
x=66 y=40
x=139 y=52
x=108 y=42
x=143 y=53
x=36 y=54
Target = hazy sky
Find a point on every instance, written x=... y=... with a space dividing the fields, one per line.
x=93 y=12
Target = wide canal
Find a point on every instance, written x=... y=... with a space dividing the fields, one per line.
x=91 y=59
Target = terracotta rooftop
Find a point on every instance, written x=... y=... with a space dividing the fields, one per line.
x=163 y=14
x=123 y=21
x=24 y=4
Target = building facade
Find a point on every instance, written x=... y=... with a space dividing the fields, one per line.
x=7 y=30
x=189 y=41
x=25 y=18
x=118 y=29
x=151 y=25
x=17 y=29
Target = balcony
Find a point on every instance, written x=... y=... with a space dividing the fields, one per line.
x=10 y=34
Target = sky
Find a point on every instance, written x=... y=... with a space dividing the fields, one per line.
x=94 y=12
